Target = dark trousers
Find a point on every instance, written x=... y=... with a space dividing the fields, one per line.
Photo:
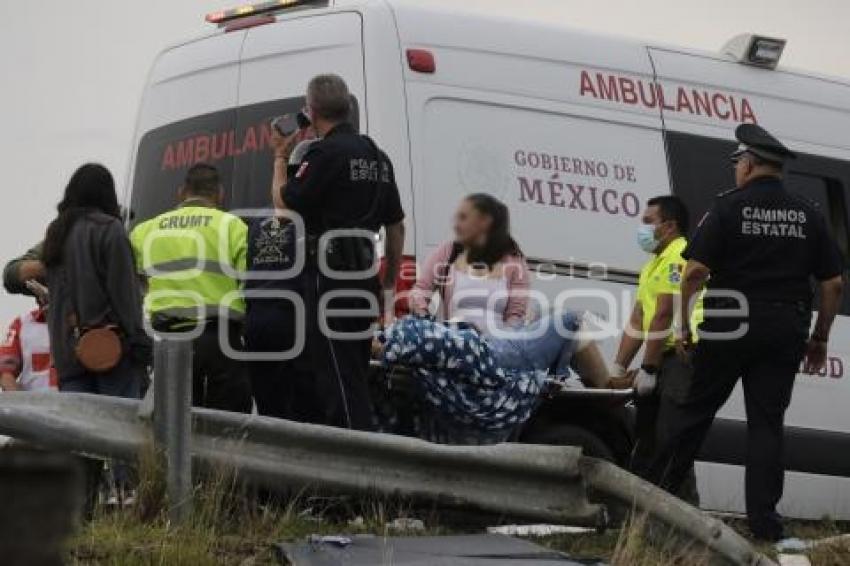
x=126 y=381
x=219 y=381
x=286 y=390
x=327 y=383
x=283 y=389
x=341 y=376
x=652 y=418
x=767 y=359
x=340 y=364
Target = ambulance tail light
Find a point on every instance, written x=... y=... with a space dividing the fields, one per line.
x=421 y=61
x=404 y=283
x=756 y=50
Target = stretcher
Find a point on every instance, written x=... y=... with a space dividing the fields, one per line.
x=555 y=386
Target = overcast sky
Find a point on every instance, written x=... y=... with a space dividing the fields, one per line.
x=73 y=72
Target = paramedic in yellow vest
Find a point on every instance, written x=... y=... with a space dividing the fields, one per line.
x=663 y=377
x=193 y=258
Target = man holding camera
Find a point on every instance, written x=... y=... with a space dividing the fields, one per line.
x=344 y=189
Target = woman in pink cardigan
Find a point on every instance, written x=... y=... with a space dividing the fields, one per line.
x=483 y=257
x=481 y=278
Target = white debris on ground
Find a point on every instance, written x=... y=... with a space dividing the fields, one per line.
x=406 y=525
x=793 y=560
x=537 y=530
x=791 y=549
x=793 y=545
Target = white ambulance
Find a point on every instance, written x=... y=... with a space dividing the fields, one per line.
x=574 y=131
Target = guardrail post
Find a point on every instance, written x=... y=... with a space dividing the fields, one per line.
x=173 y=421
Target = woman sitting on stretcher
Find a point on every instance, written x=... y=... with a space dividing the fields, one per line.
x=482 y=279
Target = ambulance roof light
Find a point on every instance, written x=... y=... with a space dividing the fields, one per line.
x=755 y=50
x=252 y=10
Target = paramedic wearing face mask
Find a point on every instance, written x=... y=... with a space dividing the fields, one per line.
x=662 y=376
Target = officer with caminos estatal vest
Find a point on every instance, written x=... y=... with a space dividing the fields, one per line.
x=757 y=252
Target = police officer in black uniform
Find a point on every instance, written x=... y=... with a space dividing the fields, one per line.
x=761 y=247
x=344 y=189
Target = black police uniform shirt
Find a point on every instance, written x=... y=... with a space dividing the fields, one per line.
x=269 y=321
x=766 y=243
x=336 y=185
x=272 y=249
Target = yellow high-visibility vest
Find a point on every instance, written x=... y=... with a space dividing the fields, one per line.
x=194 y=258
x=662 y=275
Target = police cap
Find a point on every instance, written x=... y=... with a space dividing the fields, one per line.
x=759 y=142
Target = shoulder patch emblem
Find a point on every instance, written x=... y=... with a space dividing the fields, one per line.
x=675 y=273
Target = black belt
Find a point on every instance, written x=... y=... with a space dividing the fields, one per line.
x=777 y=303
x=729 y=303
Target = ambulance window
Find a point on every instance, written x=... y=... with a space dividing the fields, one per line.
x=166 y=154
x=828 y=196
x=235 y=140
x=252 y=173
x=700 y=170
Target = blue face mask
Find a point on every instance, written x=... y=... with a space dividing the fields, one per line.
x=646 y=238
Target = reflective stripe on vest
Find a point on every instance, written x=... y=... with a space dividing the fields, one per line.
x=193 y=258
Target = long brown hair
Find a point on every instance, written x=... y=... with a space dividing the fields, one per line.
x=91 y=189
x=499 y=242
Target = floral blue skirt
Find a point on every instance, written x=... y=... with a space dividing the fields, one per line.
x=474 y=400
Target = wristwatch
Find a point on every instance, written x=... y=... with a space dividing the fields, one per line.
x=650 y=369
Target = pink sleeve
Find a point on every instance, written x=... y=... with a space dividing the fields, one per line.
x=426 y=279
x=519 y=283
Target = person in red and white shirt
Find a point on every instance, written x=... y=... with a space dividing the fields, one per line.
x=25 y=363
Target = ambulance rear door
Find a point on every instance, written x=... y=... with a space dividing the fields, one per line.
x=188 y=115
x=278 y=60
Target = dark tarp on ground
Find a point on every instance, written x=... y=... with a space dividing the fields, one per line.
x=470 y=550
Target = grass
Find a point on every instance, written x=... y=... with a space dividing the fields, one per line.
x=244 y=537
x=232 y=525
x=229 y=524
x=632 y=545
x=834 y=554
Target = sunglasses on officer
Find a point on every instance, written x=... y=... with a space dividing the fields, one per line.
x=737 y=157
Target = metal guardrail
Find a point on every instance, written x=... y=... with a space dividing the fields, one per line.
x=172 y=421
x=541 y=483
x=534 y=482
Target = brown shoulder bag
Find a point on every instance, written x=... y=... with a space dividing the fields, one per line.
x=99 y=349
